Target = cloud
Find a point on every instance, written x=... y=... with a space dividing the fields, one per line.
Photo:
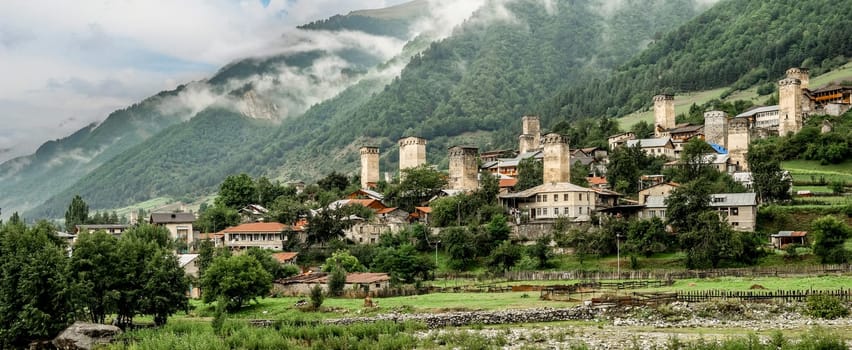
x=79 y=60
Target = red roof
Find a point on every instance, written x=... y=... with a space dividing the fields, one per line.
x=210 y=235
x=275 y=227
x=369 y=203
x=424 y=209
x=385 y=210
x=508 y=182
x=366 y=277
x=597 y=180
x=284 y=257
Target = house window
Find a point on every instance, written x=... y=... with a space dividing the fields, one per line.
x=378 y=285
x=735 y=211
x=662 y=214
x=555 y=197
x=544 y=198
x=556 y=211
x=581 y=197
x=565 y=211
x=537 y=211
x=735 y=224
x=581 y=210
x=565 y=197
x=653 y=213
x=543 y=211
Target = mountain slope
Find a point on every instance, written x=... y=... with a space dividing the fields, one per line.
x=272 y=87
x=463 y=89
x=737 y=43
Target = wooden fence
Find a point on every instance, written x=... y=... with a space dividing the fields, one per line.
x=781 y=271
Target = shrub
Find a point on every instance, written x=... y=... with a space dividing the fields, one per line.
x=826 y=306
x=219 y=315
x=316 y=297
x=336 y=281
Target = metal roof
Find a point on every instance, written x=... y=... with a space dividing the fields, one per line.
x=733 y=199
x=168 y=218
x=547 y=188
x=757 y=110
x=659 y=142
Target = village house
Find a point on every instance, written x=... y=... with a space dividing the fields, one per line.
x=113 y=229
x=719 y=162
x=265 y=235
x=357 y=284
x=739 y=209
x=178 y=224
x=655 y=147
x=363 y=230
x=552 y=200
x=663 y=189
x=619 y=140
x=253 y=213
x=189 y=264
x=285 y=257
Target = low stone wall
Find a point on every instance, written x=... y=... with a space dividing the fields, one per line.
x=456 y=319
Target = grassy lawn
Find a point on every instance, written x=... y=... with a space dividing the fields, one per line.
x=770 y=283
x=812 y=170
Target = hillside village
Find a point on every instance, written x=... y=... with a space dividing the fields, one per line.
x=533 y=212
x=625 y=235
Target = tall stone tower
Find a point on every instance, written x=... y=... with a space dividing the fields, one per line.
x=369 y=166
x=530 y=139
x=803 y=74
x=412 y=152
x=739 y=137
x=789 y=106
x=464 y=168
x=716 y=127
x=557 y=158
x=664 y=114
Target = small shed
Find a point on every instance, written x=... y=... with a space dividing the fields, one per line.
x=783 y=238
x=358 y=284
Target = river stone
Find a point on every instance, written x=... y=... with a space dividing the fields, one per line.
x=85 y=336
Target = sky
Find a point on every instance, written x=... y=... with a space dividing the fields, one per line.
x=66 y=64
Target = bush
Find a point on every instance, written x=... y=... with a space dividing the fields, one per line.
x=826 y=306
x=316 y=297
x=336 y=281
x=219 y=315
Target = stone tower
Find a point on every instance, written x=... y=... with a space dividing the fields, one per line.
x=464 y=168
x=716 y=127
x=803 y=74
x=664 y=115
x=369 y=166
x=557 y=158
x=412 y=152
x=530 y=139
x=789 y=106
x=739 y=137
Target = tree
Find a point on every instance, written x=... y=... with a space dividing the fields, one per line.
x=418 y=185
x=709 y=241
x=686 y=203
x=334 y=181
x=336 y=281
x=316 y=297
x=35 y=294
x=458 y=244
x=218 y=218
x=646 y=237
x=206 y=254
x=530 y=174
x=579 y=174
x=541 y=252
x=238 y=279
x=696 y=162
x=77 y=214
x=497 y=229
x=93 y=272
x=829 y=236
x=342 y=259
x=623 y=170
x=770 y=182
x=264 y=257
x=288 y=210
x=504 y=257
x=236 y=192
x=404 y=263
x=163 y=292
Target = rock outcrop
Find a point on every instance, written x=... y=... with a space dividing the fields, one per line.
x=85 y=336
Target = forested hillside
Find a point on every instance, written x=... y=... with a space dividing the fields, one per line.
x=282 y=86
x=471 y=87
x=736 y=43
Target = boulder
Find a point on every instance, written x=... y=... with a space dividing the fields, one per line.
x=85 y=336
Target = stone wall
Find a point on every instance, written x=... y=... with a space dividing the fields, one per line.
x=457 y=319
